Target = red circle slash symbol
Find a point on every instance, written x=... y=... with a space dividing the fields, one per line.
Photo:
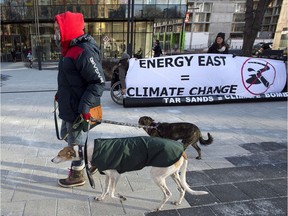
x=257 y=75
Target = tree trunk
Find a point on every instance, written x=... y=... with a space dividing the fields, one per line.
x=253 y=21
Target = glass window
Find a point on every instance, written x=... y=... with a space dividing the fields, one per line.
x=200 y=7
x=240 y=7
x=162 y=2
x=88 y=2
x=188 y=27
x=58 y=2
x=200 y=17
x=44 y=2
x=140 y=27
x=138 y=11
x=239 y=17
x=208 y=7
x=237 y=27
x=118 y=27
x=200 y=27
x=208 y=15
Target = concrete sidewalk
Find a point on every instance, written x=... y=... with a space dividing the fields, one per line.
x=244 y=170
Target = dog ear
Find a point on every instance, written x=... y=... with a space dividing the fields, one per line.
x=71 y=153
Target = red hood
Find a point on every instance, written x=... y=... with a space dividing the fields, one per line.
x=71 y=26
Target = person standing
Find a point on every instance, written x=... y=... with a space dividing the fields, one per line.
x=157 y=49
x=138 y=55
x=13 y=54
x=219 y=45
x=81 y=84
x=30 y=58
x=123 y=67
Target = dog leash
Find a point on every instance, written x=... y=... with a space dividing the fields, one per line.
x=78 y=121
x=120 y=123
x=91 y=180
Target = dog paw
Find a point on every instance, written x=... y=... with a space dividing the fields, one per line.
x=176 y=203
x=98 y=198
x=157 y=209
x=120 y=197
x=198 y=158
x=123 y=198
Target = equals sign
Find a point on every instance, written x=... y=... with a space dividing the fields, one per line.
x=184 y=77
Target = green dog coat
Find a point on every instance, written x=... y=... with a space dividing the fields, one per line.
x=134 y=153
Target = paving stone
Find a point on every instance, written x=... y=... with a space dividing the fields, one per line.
x=259 y=158
x=255 y=190
x=279 y=186
x=203 y=211
x=40 y=208
x=199 y=200
x=282 y=166
x=12 y=208
x=264 y=146
x=229 y=175
x=274 y=206
x=227 y=192
x=72 y=207
x=265 y=207
x=270 y=170
x=198 y=178
x=163 y=213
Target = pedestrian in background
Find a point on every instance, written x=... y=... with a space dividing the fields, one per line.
x=81 y=84
x=30 y=58
x=13 y=54
x=138 y=55
x=219 y=45
x=123 y=67
x=157 y=49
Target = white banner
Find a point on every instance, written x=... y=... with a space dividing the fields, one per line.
x=204 y=74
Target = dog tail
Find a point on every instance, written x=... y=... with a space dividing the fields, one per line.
x=184 y=184
x=206 y=142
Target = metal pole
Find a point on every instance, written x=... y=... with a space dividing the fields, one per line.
x=128 y=26
x=132 y=29
x=37 y=28
x=130 y=20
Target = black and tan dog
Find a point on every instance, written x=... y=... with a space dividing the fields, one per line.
x=188 y=133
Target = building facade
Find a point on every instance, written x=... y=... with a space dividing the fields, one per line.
x=117 y=25
x=127 y=25
x=204 y=19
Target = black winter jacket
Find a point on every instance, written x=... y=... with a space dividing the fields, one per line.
x=81 y=80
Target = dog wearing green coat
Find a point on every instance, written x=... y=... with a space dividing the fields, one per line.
x=115 y=156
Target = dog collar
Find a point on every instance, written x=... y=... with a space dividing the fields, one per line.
x=153 y=126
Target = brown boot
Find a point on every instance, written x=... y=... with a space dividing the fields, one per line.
x=75 y=177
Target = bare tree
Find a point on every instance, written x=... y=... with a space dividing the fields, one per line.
x=253 y=21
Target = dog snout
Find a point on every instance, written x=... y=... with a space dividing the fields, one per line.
x=55 y=160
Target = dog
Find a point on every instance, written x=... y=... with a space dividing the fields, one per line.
x=188 y=133
x=110 y=156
